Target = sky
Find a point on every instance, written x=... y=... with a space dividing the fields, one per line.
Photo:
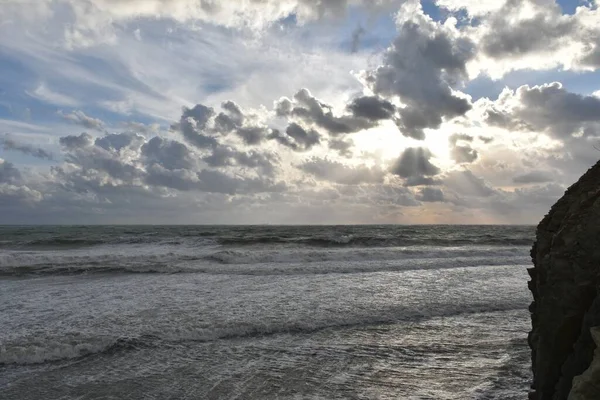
x=295 y=111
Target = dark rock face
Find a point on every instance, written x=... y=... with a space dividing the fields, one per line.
x=565 y=286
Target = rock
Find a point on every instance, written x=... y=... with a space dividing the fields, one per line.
x=587 y=385
x=565 y=286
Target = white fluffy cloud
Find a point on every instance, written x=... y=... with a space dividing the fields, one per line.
x=88 y=22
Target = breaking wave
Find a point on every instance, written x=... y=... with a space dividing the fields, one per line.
x=373 y=241
x=257 y=262
x=74 y=346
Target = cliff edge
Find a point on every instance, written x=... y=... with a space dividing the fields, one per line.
x=565 y=283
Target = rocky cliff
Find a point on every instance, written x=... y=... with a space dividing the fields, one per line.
x=565 y=283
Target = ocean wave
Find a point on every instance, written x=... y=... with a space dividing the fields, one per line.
x=372 y=241
x=64 y=243
x=363 y=266
x=44 y=350
x=17 y=263
x=295 y=255
x=26 y=351
x=266 y=269
x=179 y=259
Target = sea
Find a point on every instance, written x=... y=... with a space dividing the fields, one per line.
x=264 y=312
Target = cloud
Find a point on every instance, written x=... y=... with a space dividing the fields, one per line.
x=372 y=108
x=223 y=156
x=421 y=67
x=460 y=148
x=534 y=177
x=194 y=123
x=11 y=145
x=357 y=35
x=533 y=35
x=18 y=196
x=422 y=181
x=167 y=153
x=310 y=110
x=119 y=141
x=337 y=172
x=414 y=162
x=343 y=147
x=543 y=31
x=145 y=129
x=253 y=135
x=465 y=183
x=463 y=154
x=428 y=194
x=549 y=108
x=88 y=22
x=296 y=137
x=231 y=118
x=237 y=161
x=78 y=117
x=45 y=94
x=8 y=172
x=74 y=142
x=456 y=137
x=118 y=163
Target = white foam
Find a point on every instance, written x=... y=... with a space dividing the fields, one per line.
x=41 y=350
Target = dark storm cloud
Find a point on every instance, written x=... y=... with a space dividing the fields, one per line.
x=200 y=124
x=10 y=144
x=312 y=111
x=193 y=126
x=546 y=29
x=306 y=138
x=169 y=154
x=534 y=177
x=200 y=114
x=428 y=194
x=234 y=111
x=79 y=118
x=420 y=67
x=253 y=135
x=548 y=107
x=74 y=142
x=414 y=162
x=296 y=137
x=372 y=108
x=337 y=172
x=224 y=156
x=456 y=137
x=505 y=120
x=8 y=172
x=128 y=161
x=343 y=147
x=230 y=119
x=422 y=181
x=541 y=32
